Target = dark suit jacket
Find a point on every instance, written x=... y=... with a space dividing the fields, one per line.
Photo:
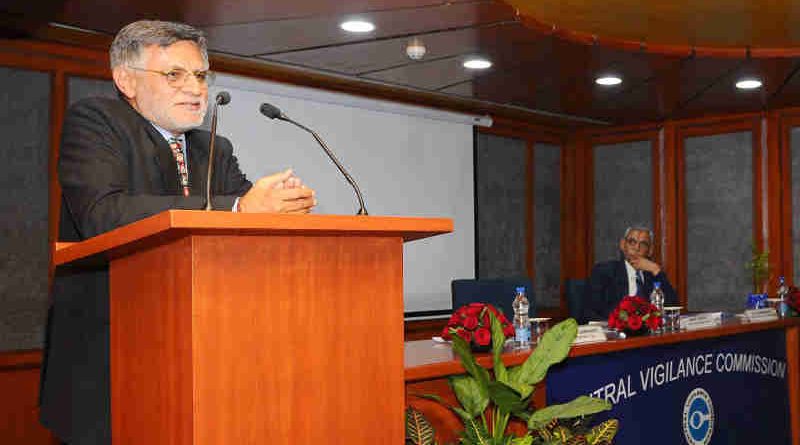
x=608 y=284
x=114 y=168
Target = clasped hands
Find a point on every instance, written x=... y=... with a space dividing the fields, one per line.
x=282 y=192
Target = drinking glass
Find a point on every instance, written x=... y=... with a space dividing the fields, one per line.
x=538 y=327
x=672 y=318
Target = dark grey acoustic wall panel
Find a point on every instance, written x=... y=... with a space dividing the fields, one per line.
x=24 y=151
x=719 y=220
x=547 y=224
x=623 y=193
x=501 y=183
x=795 y=154
x=81 y=87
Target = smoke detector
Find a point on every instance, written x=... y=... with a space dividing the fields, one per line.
x=415 y=50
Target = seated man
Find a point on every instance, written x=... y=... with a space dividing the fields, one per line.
x=633 y=274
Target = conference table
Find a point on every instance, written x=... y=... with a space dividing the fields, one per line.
x=738 y=382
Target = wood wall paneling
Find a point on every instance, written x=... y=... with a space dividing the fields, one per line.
x=667 y=213
x=19 y=404
x=531 y=135
x=783 y=180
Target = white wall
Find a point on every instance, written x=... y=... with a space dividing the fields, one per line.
x=407 y=160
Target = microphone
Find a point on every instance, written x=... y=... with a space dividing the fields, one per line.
x=273 y=112
x=223 y=98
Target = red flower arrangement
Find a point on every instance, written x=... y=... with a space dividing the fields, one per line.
x=472 y=323
x=636 y=315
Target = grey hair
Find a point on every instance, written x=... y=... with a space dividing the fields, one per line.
x=638 y=228
x=127 y=46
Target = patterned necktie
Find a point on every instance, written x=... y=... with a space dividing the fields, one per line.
x=180 y=160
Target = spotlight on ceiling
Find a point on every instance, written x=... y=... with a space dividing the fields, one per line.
x=357 y=26
x=608 y=80
x=415 y=50
x=748 y=84
x=477 y=64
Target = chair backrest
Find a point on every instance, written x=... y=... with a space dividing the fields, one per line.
x=499 y=292
x=574 y=288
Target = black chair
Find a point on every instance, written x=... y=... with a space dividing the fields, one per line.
x=499 y=292
x=575 y=288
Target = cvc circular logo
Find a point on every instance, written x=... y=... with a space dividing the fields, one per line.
x=698 y=417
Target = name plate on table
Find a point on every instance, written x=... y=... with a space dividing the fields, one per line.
x=701 y=321
x=590 y=334
x=765 y=314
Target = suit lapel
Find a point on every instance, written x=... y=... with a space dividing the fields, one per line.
x=198 y=163
x=165 y=161
x=621 y=284
x=648 y=284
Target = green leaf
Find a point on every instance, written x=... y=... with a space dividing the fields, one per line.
x=552 y=348
x=472 y=396
x=604 y=433
x=581 y=406
x=524 y=440
x=515 y=382
x=475 y=433
x=418 y=430
x=506 y=398
x=498 y=342
x=468 y=361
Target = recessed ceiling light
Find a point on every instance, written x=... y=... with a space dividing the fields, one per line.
x=608 y=80
x=477 y=64
x=359 y=26
x=748 y=84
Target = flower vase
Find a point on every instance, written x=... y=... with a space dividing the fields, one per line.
x=637 y=333
x=474 y=347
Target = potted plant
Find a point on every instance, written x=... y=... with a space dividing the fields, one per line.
x=759 y=269
x=489 y=400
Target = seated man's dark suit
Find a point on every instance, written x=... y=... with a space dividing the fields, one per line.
x=114 y=168
x=608 y=284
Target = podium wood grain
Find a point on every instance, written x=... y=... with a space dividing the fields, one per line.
x=229 y=329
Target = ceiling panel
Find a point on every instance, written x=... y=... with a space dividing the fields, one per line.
x=222 y=12
x=788 y=93
x=270 y=37
x=367 y=57
x=507 y=55
x=535 y=67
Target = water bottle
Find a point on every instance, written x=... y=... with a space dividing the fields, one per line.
x=783 y=292
x=522 y=324
x=657 y=298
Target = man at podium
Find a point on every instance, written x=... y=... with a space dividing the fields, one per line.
x=122 y=160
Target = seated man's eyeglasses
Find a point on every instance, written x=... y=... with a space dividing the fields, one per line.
x=177 y=78
x=638 y=244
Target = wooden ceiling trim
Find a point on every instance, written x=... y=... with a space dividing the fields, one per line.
x=585 y=38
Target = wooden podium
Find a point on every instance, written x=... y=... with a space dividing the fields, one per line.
x=256 y=329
